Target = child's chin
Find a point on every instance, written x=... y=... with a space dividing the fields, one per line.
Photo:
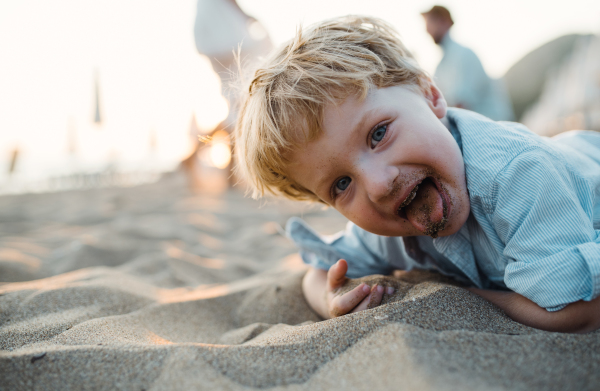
x=454 y=225
x=447 y=232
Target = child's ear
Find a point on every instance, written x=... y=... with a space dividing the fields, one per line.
x=436 y=100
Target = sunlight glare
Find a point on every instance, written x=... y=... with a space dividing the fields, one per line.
x=213 y=111
x=220 y=151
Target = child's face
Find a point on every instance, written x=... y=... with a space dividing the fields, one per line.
x=388 y=164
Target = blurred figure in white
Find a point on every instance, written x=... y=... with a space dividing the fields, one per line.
x=221 y=28
x=460 y=74
x=222 y=31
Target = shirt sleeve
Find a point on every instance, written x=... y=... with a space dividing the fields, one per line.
x=366 y=253
x=543 y=214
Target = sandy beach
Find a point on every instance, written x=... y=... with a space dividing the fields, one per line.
x=156 y=288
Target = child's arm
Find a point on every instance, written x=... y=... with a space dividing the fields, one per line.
x=320 y=288
x=578 y=317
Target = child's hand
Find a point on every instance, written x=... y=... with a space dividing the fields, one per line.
x=358 y=299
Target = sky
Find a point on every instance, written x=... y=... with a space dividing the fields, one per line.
x=150 y=75
x=500 y=32
x=152 y=80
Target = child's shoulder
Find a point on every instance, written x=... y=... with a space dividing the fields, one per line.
x=490 y=148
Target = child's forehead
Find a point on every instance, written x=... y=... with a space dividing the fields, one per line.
x=347 y=119
x=312 y=160
x=347 y=110
x=348 y=113
x=351 y=101
x=357 y=106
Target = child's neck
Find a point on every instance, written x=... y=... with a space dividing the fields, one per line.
x=446 y=122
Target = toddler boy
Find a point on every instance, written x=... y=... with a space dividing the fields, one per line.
x=343 y=115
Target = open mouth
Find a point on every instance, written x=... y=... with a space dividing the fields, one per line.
x=426 y=207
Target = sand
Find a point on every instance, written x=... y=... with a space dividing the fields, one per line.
x=155 y=288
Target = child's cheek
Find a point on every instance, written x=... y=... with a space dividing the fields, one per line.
x=363 y=216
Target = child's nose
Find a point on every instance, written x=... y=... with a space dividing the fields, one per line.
x=379 y=182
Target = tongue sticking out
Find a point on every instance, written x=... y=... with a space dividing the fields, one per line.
x=426 y=211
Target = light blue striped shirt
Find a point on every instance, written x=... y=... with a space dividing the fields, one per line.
x=534 y=226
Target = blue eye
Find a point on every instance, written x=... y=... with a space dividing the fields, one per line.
x=342 y=184
x=378 y=135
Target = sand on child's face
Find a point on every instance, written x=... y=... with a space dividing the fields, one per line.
x=409 y=182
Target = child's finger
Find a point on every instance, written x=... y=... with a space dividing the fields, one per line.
x=363 y=305
x=376 y=296
x=336 y=276
x=372 y=300
x=341 y=305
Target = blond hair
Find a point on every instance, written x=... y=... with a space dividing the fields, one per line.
x=283 y=104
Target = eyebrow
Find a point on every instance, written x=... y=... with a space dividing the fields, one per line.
x=358 y=128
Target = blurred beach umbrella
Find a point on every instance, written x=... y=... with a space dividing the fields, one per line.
x=97 y=114
x=12 y=165
x=153 y=142
x=71 y=137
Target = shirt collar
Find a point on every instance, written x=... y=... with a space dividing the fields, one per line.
x=450 y=122
x=446 y=41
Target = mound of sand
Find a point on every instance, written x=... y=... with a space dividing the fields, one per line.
x=154 y=288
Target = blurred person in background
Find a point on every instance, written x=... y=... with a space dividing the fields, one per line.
x=222 y=32
x=221 y=28
x=460 y=74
